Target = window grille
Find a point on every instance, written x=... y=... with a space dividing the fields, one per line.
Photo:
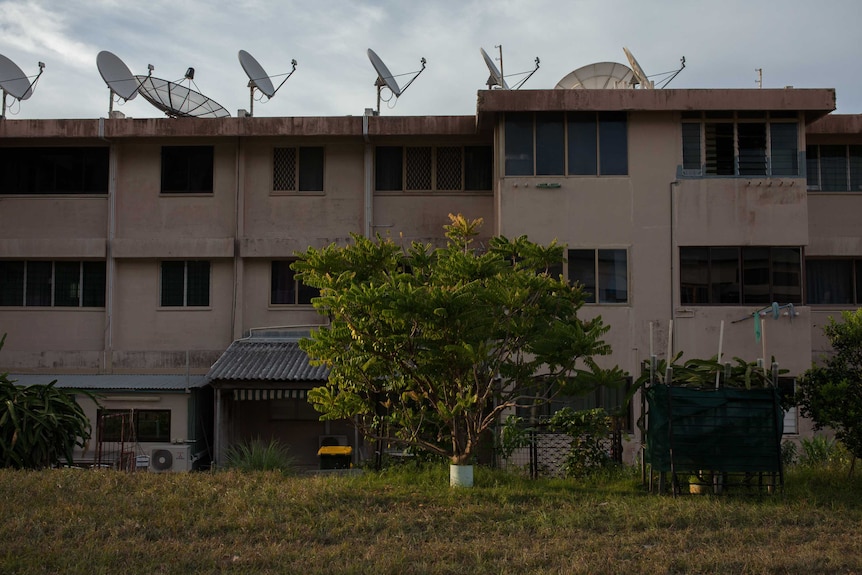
x=284 y=169
x=419 y=168
x=449 y=168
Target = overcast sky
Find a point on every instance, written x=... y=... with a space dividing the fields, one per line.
x=800 y=43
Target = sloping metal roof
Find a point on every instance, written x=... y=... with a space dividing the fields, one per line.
x=140 y=382
x=259 y=359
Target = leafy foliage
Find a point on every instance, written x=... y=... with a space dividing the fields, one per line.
x=39 y=424
x=589 y=430
x=701 y=373
x=256 y=455
x=831 y=394
x=427 y=347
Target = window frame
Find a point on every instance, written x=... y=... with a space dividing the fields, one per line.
x=83 y=287
x=35 y=171
x=852 y=168
x=692 y=292
x=598 y=272
x=566 y=144
x=854 y=277
x=742 y=160
x=474 y=159
x=308 y=171
x=187 y=281
x=298 y=293
x=176 y=160
x=108 y=435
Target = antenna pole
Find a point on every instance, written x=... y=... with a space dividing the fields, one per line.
x=110 y=102
x=3 y=113
x=759 y=80
x=251 y=99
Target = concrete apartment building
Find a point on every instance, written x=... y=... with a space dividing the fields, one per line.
x=149 y=247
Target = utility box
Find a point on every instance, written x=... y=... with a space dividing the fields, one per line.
x=335 y=456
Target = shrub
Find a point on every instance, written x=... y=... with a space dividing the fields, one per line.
x=257 y=455
x=589 y=431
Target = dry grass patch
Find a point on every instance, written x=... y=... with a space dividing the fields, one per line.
x=410 y=521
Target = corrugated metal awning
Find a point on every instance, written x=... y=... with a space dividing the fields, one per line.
x=267 y=394
x=108 y=382
x=265 y=360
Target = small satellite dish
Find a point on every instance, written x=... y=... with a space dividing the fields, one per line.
x=385 y=77
x=496 y=77
x=14 y=82
x=598 y=76
x=258 y=78
x=178 y=101
x=117 y=76
x=640 y=76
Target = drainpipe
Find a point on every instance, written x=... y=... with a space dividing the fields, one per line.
x=672 y=256
x=368 y=215
x=110 y=271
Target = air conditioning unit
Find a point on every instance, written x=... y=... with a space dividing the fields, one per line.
x=170 y=458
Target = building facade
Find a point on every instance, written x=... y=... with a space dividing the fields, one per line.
x=149 y=246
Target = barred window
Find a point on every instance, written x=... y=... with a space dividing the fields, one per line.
x=52 y=284
x=433 y=168
x=297 y=169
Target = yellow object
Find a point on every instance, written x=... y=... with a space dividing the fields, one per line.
x=335 y=450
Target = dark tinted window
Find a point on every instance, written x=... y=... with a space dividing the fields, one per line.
x=187 y=169
x=388 y=170
x=54 y=170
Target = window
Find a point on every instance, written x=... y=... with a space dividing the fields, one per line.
x=603 y=273
x=297 y=169
x=740 y=275
x=187 y=169
x=741 y=144
x=146 y=425
x=433 y=168
x=185 y=283
x=833 y=281
x=35 y=171
x=834 y=168
x=573 y=143
x=286 y=289
x=52 y=284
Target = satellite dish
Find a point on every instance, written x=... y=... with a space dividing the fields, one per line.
x=598 y=76
x=385 y=77
x=14 y=82
x=178 y=101
x=117 y=76
x=496 y=77
x=258 y=78
x=640 y=76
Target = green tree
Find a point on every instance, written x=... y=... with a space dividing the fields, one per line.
x=831 y=393
x=39 y=424
x=428 y=346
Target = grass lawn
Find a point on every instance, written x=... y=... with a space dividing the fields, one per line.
x=409 y=521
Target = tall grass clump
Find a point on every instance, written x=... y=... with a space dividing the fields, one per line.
x=258 y=455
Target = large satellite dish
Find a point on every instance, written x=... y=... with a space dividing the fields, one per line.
x=117 y=76
x=14 y=82
x=177 y=100
x=385 y=77
x=640 y=76
x=496 y=77
x=598 y=76
x=258 y=78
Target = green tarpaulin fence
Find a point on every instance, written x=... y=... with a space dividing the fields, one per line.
x=724 y=430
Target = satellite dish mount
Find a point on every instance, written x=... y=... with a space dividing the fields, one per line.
x=386 y=79
x=15 y=83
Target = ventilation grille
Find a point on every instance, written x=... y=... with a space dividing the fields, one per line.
x=284 y=169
